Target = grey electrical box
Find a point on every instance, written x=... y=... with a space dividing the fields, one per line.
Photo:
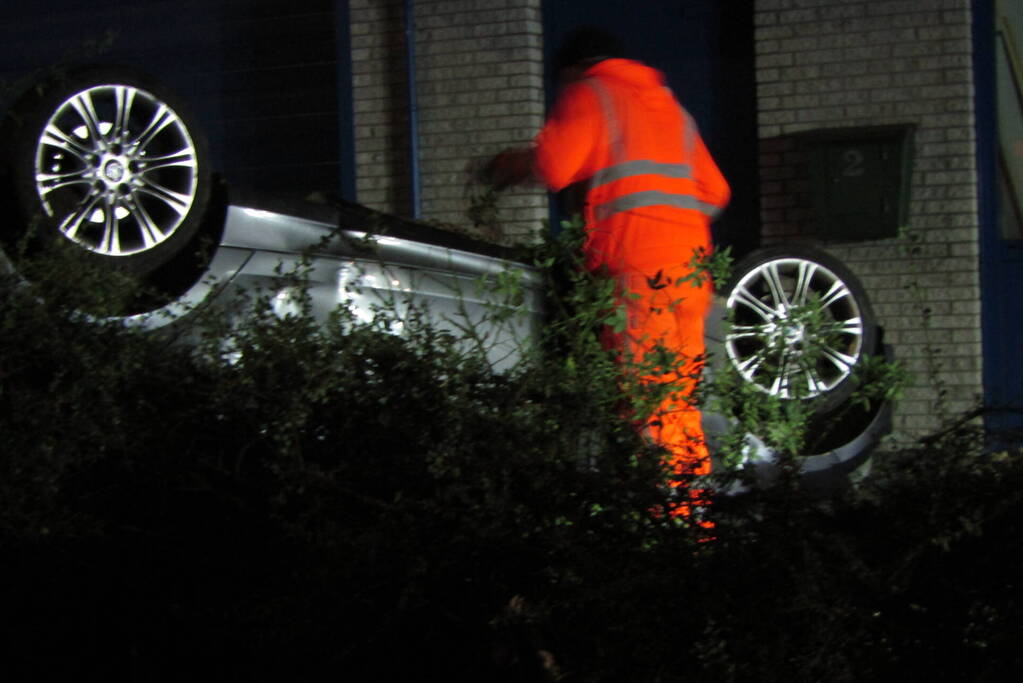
x=859 y=180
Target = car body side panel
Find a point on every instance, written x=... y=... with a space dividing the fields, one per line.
x=267 y=254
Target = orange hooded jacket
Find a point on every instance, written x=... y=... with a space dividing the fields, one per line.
x=651 y=190
x=651 y=185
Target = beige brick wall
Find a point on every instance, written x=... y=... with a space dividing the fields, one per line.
x=479 y=85
x=380 y=104
x=838 y=63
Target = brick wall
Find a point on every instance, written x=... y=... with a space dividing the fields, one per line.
x=479 y=85
x=837 y=63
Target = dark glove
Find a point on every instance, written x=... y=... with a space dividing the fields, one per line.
x=510 y=167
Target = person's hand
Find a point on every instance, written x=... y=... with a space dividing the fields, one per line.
x=510 y=167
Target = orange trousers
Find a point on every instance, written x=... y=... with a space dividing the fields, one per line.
x=663 y=343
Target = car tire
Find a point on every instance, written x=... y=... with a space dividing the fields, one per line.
x=799 y=323
x=110 y=160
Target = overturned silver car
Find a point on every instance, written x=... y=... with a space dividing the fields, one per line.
x=111 y=161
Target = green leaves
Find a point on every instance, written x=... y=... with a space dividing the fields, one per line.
x=290 y=484
x=717 y=266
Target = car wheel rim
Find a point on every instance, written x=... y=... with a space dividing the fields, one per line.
x=116 y=169
x=797 y=328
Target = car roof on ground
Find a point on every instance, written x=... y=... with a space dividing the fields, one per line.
x=333 y=210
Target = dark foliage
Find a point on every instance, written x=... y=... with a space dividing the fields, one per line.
x=284 y=500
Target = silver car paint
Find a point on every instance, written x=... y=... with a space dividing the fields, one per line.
x=360 y=270
x=354 y=268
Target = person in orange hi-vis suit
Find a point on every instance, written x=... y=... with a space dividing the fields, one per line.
x=651 y=189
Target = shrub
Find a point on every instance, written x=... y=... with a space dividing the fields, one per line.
x=291 y=500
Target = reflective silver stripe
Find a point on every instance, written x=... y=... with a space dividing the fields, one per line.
x=639 y=200
x=690 y=133
x=624 y=169
x=640 y=167
x=614 y=132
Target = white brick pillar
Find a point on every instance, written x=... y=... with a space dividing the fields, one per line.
x=479 y=86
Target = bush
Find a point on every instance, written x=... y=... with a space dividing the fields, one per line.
x=291 y=500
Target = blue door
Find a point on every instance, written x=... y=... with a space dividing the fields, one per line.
x=998 y=27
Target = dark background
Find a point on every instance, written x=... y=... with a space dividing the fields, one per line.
x=270 y=80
